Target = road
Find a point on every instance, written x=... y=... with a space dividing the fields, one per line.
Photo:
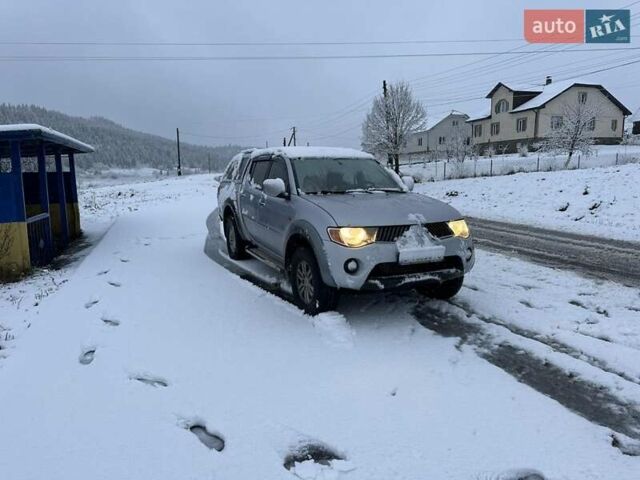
x=614 y=260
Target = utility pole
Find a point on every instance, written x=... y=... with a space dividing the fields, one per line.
x=178 y=144
x=284 y=141
x=293 y=137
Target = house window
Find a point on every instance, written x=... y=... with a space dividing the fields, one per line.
x=495 y=128
x=614 y=125
x=441 y=140
x=477 y=130
x=467 y=141
x=502 y=106
x=592 y=124
x=419 y=141
x=556 y=122
x=521 y=124
x=582 y=97
x=455 y=123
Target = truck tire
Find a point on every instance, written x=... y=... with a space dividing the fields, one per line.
x=310 y=293
x=444 y=291
x=236 y=246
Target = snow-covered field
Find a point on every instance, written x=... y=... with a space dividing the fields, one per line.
x=602 y=156
x=149 y=360
x=596 y=201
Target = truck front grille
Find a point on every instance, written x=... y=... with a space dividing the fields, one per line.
x=392 y=232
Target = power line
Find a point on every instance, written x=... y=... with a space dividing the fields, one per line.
x=63 y=58
x=255 y=44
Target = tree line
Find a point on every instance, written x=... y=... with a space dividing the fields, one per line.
x=117 y=146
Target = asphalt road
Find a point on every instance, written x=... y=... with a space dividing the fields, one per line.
x=614 y=260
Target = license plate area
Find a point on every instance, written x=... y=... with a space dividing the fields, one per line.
x=409 y=256
x=417 y=246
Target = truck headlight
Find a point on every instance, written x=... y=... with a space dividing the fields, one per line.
x=352 y=237
x=459 y=228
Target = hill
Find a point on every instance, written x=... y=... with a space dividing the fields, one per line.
x=118 y=146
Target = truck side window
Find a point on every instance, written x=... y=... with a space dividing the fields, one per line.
x=279 y=170
x=259 y=170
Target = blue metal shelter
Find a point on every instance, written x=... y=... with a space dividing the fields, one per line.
x=39 y=212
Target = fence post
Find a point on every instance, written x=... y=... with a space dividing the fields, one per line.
x=436 y=175
x=491 y=168
x=538 y=164
x=579 y=157
x=475 y=167
x=444 y=176
x=616 y=158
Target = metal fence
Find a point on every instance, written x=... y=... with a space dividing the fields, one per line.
x=40 y=241
x=507 y=165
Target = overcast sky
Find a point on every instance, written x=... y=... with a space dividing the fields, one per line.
x=251 y=102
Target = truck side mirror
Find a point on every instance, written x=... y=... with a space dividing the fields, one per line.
x=274 y=187
x=409 y=182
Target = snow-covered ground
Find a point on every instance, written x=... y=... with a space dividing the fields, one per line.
x=150 y=358
x=601 y=156
x=596 y=201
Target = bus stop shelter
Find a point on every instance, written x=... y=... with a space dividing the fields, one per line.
x=39 y=212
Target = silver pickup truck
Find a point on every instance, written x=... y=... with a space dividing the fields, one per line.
x=334 y=219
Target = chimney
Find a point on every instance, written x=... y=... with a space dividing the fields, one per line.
x=548 y=80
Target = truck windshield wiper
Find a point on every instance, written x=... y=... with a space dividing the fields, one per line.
x=373 y=189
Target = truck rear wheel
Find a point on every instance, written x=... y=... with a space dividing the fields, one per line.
x=310 y=293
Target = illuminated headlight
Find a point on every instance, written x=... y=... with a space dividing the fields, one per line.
x=353 y=237
x=459 y=228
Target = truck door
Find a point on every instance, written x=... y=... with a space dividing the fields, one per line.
x=275 y=213
x=251 y=195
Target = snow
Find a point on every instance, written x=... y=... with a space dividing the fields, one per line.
x=597 y=201
x=549 y=92
x=316 y=152
x=55 y=135
x=196 y=353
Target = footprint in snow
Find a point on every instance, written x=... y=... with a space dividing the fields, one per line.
x=151 y=380
x=103 y=272
x=213 y=441
x=108 y=320
x=308 y=460
x=517 y=474
x=114 y=283
x=87 y=356
x=124 y=260
x=92 y=301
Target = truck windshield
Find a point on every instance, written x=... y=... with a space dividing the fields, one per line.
x=342 y=175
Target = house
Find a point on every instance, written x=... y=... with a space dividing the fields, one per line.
x=635 y=123
x=525 y=115
x=433 y=142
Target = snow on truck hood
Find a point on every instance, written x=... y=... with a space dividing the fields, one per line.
x=378 y=209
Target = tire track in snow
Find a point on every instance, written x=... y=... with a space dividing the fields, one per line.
x=594 y=402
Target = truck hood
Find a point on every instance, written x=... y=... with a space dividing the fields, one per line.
x=378 y=209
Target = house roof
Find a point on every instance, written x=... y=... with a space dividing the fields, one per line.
x=552 y=90
x=31 y=136
x=514 y=88
x=481 y=115
x=636 y=116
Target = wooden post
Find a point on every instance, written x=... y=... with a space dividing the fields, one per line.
x=538 y=164
x=62 y=200
x=178 y=144
x=491 y=168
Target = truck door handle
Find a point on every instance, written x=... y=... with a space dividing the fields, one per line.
x=262 y=202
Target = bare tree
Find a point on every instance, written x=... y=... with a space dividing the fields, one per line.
x=391 y=120
x=458 y=147
x=573 y=131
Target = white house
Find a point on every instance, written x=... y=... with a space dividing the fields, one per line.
x=524 y=115
x=433 y=142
